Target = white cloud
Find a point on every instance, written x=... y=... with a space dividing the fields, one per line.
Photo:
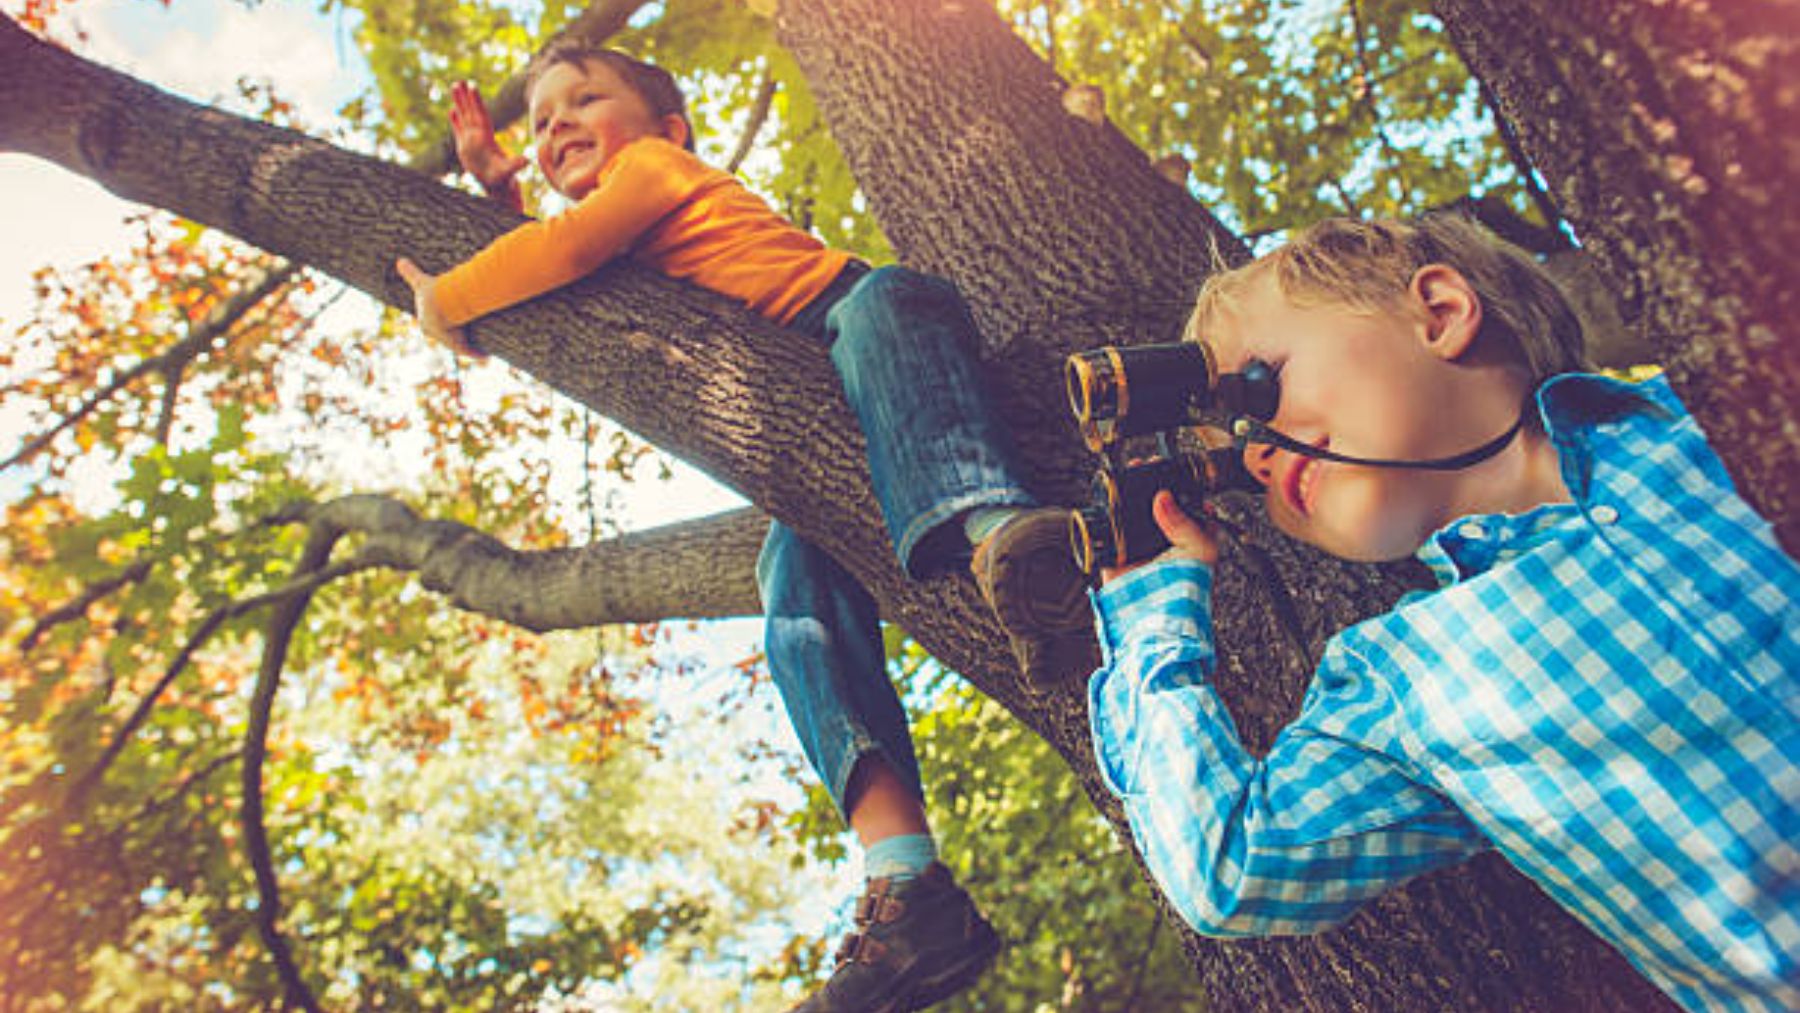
x=200 y=48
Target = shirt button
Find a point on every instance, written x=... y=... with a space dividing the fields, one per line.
x=1604 y=514
x=1472 y=531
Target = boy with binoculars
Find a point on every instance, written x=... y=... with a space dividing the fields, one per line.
x=1604 y=687
x=612 y=134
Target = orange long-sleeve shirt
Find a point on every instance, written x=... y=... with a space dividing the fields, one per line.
x=660 y=205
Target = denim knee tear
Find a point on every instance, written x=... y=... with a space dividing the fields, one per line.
x=797 y=629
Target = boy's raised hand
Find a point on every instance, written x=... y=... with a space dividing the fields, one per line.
x=479 y=151
x=431 y=316
x=1188 y=538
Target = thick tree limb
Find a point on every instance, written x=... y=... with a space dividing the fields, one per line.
x=701 y=569
x=1670 y=137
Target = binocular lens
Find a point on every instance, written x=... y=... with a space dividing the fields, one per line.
x=1125 y=391
x=1095 y=384
x=1090 y=538
x=1117 y=527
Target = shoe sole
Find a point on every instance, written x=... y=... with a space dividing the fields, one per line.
x=1018 y=577
x=935 y=990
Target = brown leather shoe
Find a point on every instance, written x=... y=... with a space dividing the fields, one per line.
x=1027 y=574
x=917 y=942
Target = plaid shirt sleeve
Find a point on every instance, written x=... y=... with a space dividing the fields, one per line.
x=1288 y=844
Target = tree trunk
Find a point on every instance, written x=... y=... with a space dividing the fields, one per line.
x=1670 y=135
x=1062 y=236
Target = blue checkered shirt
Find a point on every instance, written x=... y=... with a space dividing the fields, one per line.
x=1607 y=692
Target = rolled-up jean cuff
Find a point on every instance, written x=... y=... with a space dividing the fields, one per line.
x=927 y=547
x=839 y=788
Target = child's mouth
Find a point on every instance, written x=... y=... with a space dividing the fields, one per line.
x=569 y=149
x=1299 y=484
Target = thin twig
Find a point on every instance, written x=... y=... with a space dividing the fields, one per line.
x=156 y=805
x=198 y=340
x=283 y=619
x=1143 y=965
x=171 y=396
x=1366 y=94
x=77 y=607
x=210 y=625
x=759 y=114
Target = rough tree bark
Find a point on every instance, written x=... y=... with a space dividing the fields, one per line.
x=1061 y=234
x=1669 y=133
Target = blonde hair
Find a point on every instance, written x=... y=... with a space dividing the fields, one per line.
x=1369 y=266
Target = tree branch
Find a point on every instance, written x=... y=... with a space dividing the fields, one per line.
x=202 y=633
x=171 y=361
x=77 y=607
x=700 y=569
x=759 y=114
x=1366 y=93
x=312 y=566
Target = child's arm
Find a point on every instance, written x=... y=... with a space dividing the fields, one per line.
x=479 y=151
x=1292 y=843
x=639 y=187
x=430 y=314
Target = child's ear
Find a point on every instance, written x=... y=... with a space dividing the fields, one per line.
x=675 y=128
x=1452 y=310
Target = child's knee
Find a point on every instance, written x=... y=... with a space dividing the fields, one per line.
x=894 y=321
x=882 y=296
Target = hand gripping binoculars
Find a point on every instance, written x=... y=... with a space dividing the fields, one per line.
x=1117 y=393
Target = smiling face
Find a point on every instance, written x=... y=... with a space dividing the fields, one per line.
x=1396 y=382
x=582 y=114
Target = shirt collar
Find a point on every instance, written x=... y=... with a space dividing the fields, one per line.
x=1570 y=406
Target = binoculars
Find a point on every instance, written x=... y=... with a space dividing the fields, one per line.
x=1120 y=392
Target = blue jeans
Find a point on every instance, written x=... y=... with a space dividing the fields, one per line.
x=904 y=345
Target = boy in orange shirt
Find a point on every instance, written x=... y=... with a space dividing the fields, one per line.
x=612 y=134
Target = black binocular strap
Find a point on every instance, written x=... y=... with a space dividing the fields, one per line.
x=1248 y=430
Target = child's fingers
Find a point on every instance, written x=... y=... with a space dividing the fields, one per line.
x=469 y=98
x=1186 y=536
x=411 y=273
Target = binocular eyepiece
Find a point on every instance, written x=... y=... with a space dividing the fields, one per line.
x=1120 y=392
